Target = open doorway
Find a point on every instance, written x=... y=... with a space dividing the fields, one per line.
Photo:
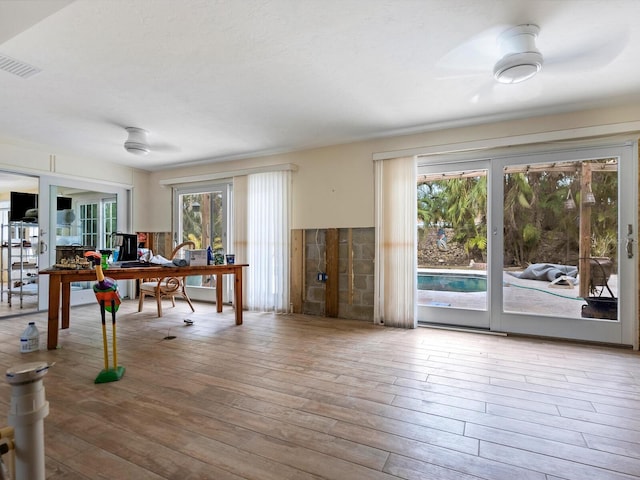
x=19 y=241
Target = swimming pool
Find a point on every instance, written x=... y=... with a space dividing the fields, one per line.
x=452 y=282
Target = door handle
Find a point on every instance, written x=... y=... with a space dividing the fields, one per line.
x=629 y=247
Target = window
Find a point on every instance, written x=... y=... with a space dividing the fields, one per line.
x=96 y=229
x=110 y=209
x=203 y=219
x=201 y=216
x=89 y=223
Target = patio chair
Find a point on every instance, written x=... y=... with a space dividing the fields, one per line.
x=600 y=271
x=166 y=287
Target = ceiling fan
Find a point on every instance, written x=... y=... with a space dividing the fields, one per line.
x=137 y=142
x=521 y=59
x=509 y=53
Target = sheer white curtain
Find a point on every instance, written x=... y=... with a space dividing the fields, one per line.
x=267 y=246
x=396 y=242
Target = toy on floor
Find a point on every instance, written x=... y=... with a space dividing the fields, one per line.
x=106 y=291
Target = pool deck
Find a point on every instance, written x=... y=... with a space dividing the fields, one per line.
x=519 y=296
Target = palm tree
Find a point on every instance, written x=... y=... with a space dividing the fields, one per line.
x=466 y=209
x=460 y=203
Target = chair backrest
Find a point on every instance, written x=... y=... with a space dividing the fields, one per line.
x=188 y=245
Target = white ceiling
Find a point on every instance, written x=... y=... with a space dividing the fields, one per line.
x=220 y=79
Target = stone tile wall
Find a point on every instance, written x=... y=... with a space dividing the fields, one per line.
x=357 y=305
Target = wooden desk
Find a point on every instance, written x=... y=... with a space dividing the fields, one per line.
x=60 y=283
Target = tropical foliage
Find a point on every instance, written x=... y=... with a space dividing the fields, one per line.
x=458 y=203
x=202 y=219
x=536 y=210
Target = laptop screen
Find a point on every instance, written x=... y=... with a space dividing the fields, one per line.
x=129 y=248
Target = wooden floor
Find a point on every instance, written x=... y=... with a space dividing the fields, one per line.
x=300 y=397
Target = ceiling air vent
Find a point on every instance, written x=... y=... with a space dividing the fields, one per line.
x=17 y=67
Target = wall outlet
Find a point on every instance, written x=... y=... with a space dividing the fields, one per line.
x=321 y=277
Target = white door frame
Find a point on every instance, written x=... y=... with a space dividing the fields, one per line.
x=47 y=225
x=225 y=187
x=625 y=331
x=468 y=318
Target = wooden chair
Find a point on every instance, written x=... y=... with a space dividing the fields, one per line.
x=166 y=287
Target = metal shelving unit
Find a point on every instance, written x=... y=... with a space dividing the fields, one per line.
x=21 y=266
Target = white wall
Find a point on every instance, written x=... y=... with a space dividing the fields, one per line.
x=38 y=161
x=334 y=185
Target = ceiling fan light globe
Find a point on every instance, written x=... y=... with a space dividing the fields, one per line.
x=136 y=148
x=137 y=142
x=517 y=67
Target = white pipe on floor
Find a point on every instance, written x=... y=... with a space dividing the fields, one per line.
x=26 y=415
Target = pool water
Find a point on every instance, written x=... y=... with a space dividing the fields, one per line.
x=452 y=282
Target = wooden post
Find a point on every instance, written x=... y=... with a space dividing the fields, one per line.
x=297 y=270
x=332 y=290
x=584 y=265
x=350 y=266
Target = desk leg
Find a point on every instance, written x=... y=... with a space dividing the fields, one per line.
x=237 y=291
x=219 y=292
x=54 y=311
x=66 y=304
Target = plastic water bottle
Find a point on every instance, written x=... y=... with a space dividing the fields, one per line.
x=30 y=339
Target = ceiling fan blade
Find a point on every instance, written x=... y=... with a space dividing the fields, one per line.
x=474 y=56
x=500 y=93
x=591 y=54
x=164 y=147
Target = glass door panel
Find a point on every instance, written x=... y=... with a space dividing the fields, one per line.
x=81 y=217
x=560 y=239
x=549 y=234
x=453 y=245
x=565 y=271
x=202 y=220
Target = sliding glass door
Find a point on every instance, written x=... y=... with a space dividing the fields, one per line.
x=567 y=244
x=549 y=233
x=202 y=215
x=453 y=244
x=82 y=217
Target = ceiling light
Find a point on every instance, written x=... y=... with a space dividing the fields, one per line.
x=521 y=59
x=137 y=142
x=518 y=67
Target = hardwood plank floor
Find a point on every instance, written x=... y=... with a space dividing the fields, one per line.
x=301 y=397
